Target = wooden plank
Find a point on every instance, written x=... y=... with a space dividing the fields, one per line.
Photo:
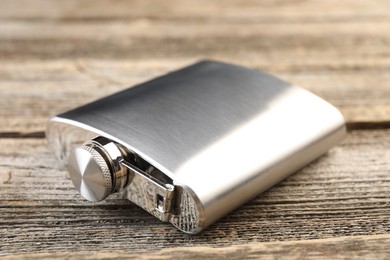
x=182 y=28
x=345 y=193
x=84 y=9
x=150 y=39
x=31 y=91
x=368 y=247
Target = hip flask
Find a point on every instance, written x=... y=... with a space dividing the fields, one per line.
x=192 y=145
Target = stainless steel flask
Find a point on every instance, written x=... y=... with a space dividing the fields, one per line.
x=193 y=145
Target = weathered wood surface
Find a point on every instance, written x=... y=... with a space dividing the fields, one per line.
x=31 y=91
x=55 y=55
x=50 y=50
x=372 y=247
x=345 y=193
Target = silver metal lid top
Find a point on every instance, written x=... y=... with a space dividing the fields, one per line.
x=90 y=173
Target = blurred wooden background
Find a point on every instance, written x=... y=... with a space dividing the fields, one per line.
x=56 y=55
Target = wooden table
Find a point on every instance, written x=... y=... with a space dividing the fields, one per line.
x=56 y=55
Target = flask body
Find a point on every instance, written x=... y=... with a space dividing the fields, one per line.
x=219 y=134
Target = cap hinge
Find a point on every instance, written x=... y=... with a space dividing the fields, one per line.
x=159 y=199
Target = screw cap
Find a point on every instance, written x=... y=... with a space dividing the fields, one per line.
x=90 y=173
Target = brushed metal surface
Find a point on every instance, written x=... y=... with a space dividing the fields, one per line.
x=223 y=133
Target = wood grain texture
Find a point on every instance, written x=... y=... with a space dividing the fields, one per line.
x=345 y=193
x=56 y=55
x=32 y=91
x=372 y=247
x=49 y=51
